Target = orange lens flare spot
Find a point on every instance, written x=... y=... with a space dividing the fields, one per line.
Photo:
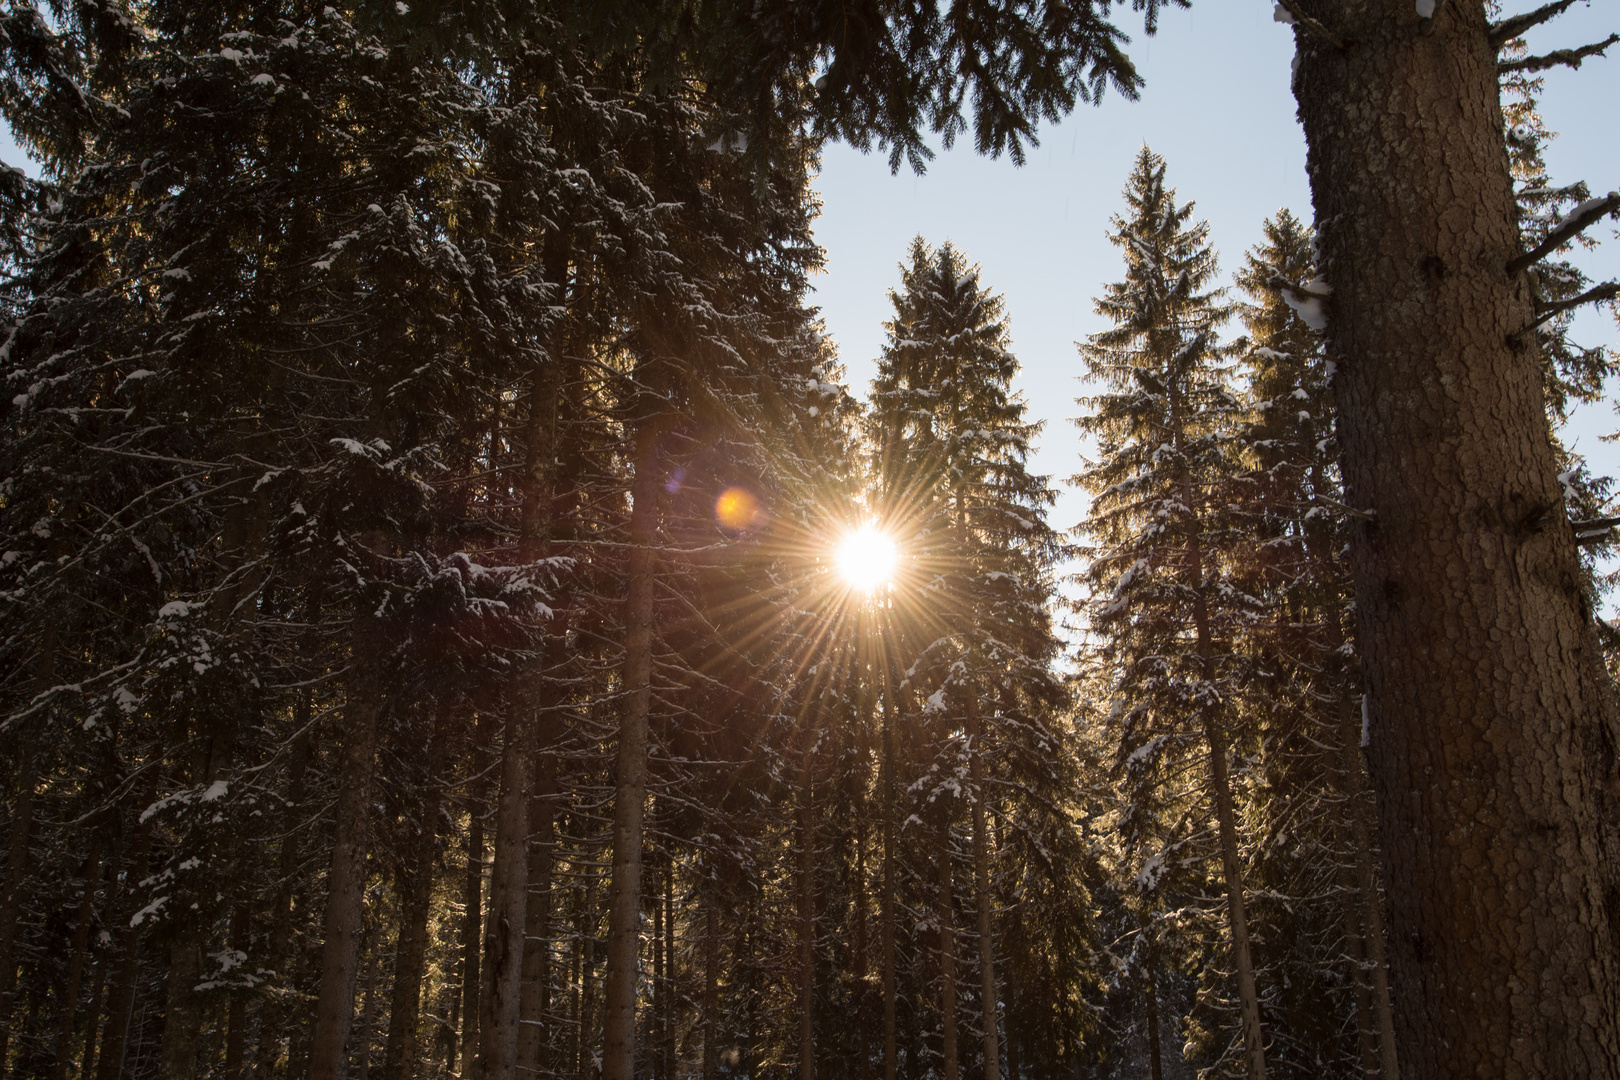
x=867 y=558
x=739 y=509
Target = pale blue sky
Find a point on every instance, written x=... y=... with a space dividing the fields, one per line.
x=1217 y=106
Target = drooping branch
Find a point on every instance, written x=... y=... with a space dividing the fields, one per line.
x=1558 y=58
x=1508 y=29
x=1586 y=214
x=1312 y=25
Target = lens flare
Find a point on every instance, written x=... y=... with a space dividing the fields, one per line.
x=739 y=509
x=867 y=558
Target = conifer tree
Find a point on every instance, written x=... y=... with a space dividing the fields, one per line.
x=1162 y=604
x=951 y=443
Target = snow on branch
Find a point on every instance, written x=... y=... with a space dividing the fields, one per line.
x=1582 y=216
x=1310 y=25
x=1508 y=29
x=1558 y=58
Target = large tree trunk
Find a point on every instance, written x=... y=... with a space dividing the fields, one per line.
x=508 y=904
x=340 y=951
x=630 y=794
x=1492 y=741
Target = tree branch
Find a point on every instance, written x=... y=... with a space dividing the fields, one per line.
x=1558 y=58
x=1508 y=29
x=1584 y=215
x=1607 y=291
x=1313 y=25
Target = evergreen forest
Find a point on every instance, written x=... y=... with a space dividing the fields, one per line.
x=457 y=619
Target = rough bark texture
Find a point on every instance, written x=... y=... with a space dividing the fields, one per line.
x=340 y=950
x=1492 y=747
x=624 y=902
x=508 y=904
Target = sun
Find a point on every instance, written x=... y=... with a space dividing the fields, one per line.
x=866 y=558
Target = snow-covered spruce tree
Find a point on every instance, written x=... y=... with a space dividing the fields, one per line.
x=241 y=216
x=1162 y=607
x=971 y=616
x=1313 y=863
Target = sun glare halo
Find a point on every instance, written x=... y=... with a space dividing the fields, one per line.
x=866 y=558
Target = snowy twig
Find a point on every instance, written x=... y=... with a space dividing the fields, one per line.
x=1594 y=531
x=1364 y=515
x=1311 y=25
x=1557 y=58
x=1508 y=29
x=1584 y=215
x=1596 y=295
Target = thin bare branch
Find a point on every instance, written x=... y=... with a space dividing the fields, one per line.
x=1558 y=58
x=1508 y=29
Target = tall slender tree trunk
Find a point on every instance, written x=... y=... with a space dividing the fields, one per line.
x=1493 y=740
x=862 y=966
x=630 y=794
x=279 y=949
x=536 y=989
x=711 y=979
x=983 y=898
x=472 y=924
x=807 y=931
x=886 y=902
x=502 y=969
x=947 y=943
x=1254 y=1043
x=22 y=828
x=121 y=998
x=341 y=927
x=1253 y=1040
x=410 y=952
x=236 y=1013
x=76 y=959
